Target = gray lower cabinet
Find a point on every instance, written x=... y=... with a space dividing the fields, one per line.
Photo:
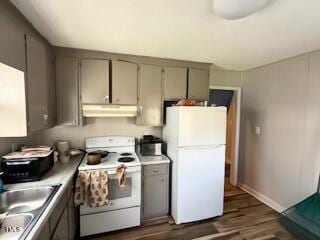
x=155 y=191
x=72 y=218
x=174 y=82
x=94 y=81
x=62 y=223
x=67 y=91
x=61 y=232
x=149 y=98
x=198 y=84
x=37 y=84
x=124 y=83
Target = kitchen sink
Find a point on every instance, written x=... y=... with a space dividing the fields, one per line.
x=24 y=207
x=25 y=200
x=13 y=225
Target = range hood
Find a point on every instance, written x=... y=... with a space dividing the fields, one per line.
x=109 y=111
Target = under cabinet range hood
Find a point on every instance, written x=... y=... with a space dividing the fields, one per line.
x=109 y=111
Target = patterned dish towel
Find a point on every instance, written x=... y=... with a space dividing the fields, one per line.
x=97 y=182
x=121 y=172
x=82 y=184
x=99 y=188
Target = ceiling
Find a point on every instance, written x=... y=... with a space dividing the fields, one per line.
x=179 y=29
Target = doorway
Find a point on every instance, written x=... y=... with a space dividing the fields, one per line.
x=229 y=97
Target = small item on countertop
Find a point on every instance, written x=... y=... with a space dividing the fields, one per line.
x=1 y=189
x=27 y=154
x=63 y=149
x=99 y=188
x=93 y=158
x=74 y=152
x=55 y=156
x=186 y=102
x=121 y=172
x=2 y=217
x=82 y=184
x=40 y=148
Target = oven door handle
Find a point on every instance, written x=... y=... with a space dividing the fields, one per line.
x=113 y=172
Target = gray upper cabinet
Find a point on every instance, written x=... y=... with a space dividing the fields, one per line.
x=12 y=44
x=94 y=75
x=67 y=90
x=37 y=80
x=149 y=100
x=174 y=82
x=198 y=84
x=124 y=82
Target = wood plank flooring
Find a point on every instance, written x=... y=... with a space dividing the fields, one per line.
x=244 y=218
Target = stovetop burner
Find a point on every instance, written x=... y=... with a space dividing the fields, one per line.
x=125 y=154
x=126 y=159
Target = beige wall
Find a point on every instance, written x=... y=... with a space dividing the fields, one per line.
x=96 y=127
x=225 y=78
x=283 y=162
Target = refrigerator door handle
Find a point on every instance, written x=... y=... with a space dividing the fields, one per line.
x=203 y=147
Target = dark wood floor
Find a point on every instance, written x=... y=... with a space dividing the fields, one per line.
x=244 y=218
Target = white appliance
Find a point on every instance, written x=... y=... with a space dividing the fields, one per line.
x=123 y=210
x=196 y=138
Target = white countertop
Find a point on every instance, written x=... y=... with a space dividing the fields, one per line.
x=61 y=173
x=150 y=160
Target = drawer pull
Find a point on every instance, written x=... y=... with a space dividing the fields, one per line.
x=155 y=170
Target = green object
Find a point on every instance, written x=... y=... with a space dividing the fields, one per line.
x=303 y=219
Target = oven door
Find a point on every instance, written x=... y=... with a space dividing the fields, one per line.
x=130 y=196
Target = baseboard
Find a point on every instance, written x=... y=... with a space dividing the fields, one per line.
x=262 y=198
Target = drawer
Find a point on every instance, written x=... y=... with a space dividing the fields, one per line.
x=55 y=216
x=156 y=169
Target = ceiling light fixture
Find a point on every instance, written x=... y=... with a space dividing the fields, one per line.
x=235 y=9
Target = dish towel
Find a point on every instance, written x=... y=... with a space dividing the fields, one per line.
x=82 y=184
x=121 y=172
x=99 y=188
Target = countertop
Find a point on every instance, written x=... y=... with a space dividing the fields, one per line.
x=61 y=173
x=150 y=160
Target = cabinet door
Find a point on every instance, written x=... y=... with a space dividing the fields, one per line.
x=61 y=232
x=67 y=87
x=155 y=196
x=37 y=77
x=198 y=87
x=72 y=218
x=124 y=82
x=174 y=83
x=94 y=77
x=12 y=42
x=149 y=106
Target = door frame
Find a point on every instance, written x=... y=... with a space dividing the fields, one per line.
x=234 y=171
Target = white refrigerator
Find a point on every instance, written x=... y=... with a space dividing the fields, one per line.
x=196 y=138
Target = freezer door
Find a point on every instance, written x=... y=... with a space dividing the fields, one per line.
x=198 y=183
x=202 y=126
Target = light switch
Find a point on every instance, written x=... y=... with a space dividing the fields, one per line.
x=258 y=130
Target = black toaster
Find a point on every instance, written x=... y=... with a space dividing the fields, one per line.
x=26 y=169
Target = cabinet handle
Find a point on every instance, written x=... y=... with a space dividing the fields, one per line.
x=74 y=121
x=155 y=170
x=106 y=98
x=45 y=117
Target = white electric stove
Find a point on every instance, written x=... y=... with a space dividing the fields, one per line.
x=123 y=210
